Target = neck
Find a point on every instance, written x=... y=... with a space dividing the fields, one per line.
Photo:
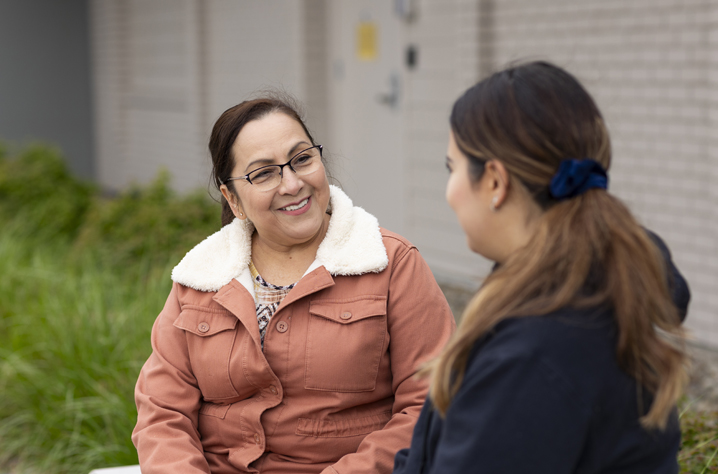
x=284 y=264
x=516 y=229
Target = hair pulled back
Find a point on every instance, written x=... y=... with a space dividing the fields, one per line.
x=228 y=126
x=587 y=251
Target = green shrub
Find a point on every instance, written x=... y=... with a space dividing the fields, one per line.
x=39 y=196
x=150 y=223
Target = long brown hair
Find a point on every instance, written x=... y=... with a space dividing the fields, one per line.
x=530 y=117
x=228 y=126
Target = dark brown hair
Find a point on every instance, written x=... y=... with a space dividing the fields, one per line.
x=228 y=126
x=530 y=117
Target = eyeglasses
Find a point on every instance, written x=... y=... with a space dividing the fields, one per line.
x=268 y=177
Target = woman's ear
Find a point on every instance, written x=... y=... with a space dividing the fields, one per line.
x=498 y=181
x=233 y=202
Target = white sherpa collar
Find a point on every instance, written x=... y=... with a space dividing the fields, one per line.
x=353 y=245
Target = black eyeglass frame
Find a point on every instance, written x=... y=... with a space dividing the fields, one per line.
x=281 y=167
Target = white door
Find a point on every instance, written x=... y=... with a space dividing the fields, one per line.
x=366 y=106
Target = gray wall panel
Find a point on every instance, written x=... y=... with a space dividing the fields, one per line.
x=45 y=76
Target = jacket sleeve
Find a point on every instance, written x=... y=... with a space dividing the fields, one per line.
x=168 y=400
x=419 y=325
x=677 y=285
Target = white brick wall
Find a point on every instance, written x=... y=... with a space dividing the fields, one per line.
x=107 y=28
x=161 y=100
x=147 y=103
x=252 y=46
x=706 y=295
x=164 y=70
x=446 y=35
x=316 y=67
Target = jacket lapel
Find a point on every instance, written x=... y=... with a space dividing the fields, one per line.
x=238 y=301
x=313 y=282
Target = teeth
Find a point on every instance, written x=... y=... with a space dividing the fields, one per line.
x=298 y=206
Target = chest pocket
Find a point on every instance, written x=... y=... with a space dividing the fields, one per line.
x=210 y=340
x=345 y=340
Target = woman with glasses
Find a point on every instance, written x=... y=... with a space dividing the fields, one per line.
x=569 y=358
x=291 y=337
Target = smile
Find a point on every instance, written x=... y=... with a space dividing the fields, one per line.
x=295 y=207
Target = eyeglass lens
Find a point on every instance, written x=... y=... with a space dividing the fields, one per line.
x=269 y=177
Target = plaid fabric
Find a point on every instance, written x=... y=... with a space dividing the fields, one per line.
x=268 y=299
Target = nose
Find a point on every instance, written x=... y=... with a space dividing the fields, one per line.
x=290 y=183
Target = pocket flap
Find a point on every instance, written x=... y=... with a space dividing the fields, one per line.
x=204 y=323
x=213 y=409
x=349 y=310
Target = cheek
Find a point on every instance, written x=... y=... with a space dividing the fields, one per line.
x=454 y=193
x=321 y=187
x=253 y=205
x=321 y=178
x=464 y=204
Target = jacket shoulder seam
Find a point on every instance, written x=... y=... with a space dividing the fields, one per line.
x=401 y=257
x=406 y=246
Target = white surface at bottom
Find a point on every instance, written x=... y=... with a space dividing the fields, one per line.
x=118 y=470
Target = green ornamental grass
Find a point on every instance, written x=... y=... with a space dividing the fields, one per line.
x=83 y=278
x=699 y=450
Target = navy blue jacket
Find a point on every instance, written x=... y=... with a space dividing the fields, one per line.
x=545 y=394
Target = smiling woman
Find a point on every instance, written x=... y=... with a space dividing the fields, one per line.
x=291 y=337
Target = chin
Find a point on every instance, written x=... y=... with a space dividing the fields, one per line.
x=305 y=230
x=472 y=245
x=478 y=249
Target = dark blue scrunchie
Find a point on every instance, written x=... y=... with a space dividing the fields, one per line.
x=575 y=177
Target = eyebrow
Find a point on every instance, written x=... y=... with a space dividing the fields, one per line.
x=295 y=147
x=270 y=161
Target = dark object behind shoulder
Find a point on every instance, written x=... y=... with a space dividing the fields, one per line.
x=677 y=285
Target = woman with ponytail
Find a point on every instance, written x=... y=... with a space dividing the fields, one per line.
x=569 y=359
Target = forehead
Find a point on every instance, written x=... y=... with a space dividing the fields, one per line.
x=269 y=137
x=453 y=150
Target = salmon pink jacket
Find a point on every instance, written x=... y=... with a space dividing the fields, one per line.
x=334 y=390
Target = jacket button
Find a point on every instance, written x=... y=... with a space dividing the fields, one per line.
x=273 y=389
x=346 y=315
x=203 y=327
x=256 y=438
x=282 y=326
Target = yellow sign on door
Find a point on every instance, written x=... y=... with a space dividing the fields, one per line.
x=367 y=44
